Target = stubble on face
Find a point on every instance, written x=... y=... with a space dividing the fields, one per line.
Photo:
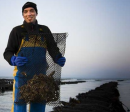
x=29 y=15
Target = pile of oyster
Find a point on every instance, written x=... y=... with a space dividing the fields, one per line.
x=39 y=89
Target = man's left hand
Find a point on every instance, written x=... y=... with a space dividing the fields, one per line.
x=61 y=61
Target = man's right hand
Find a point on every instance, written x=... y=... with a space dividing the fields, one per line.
x=18 y=60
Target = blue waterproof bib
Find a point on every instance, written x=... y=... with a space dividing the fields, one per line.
x=33 y=47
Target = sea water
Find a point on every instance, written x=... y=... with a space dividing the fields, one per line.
x=71 y=90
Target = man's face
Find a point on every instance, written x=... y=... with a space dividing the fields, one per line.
x=29 y=15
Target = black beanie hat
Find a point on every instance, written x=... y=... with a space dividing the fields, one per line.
x=29 y=4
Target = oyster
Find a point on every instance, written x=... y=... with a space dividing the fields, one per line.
x=39 y=89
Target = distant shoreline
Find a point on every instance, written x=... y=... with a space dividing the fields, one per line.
x=7 y=84
x=74 y=78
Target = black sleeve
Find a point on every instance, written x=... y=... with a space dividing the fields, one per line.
x=11 y=46
x=52 y=46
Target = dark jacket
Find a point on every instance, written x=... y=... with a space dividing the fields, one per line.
x=15 y=39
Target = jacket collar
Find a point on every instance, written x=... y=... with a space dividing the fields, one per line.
x=31 y=27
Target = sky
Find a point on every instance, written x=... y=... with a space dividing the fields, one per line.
x=98 y=44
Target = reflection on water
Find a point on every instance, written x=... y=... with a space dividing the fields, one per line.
x=71 y=90
x=5 y=101
x=124 y=89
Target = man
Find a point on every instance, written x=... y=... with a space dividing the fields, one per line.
x=20 y=53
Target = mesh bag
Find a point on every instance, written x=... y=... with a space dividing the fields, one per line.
x=39 y=79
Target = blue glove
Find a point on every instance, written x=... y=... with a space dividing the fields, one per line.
x=61 y=61
x=18 y=60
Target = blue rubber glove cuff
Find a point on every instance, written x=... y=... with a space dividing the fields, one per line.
x=57 y=57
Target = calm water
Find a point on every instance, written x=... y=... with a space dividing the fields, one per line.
x=71 y=90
